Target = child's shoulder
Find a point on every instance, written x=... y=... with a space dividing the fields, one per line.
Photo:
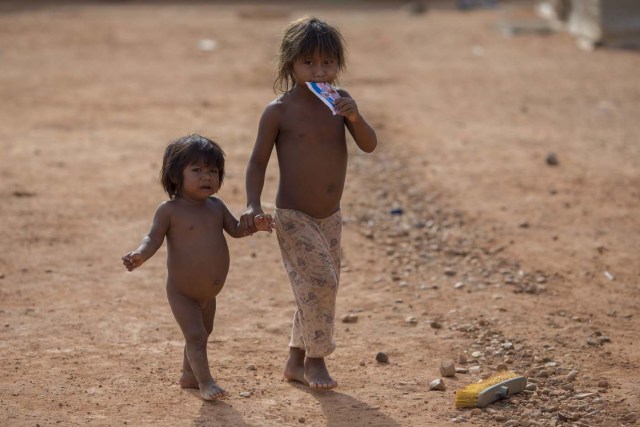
x=215 y=202
x=278 y=103
x=275 y=109
x=167 y=205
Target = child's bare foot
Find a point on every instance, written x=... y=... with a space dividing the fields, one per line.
x=211 y=391
x=317 y=375
x=188 y=380
x=294 y=369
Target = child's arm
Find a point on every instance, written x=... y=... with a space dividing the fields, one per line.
x=257 y=167
x=152 y=241
x=232 y=225
x=360 y=130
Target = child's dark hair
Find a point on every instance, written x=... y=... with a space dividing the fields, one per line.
x=183 y=152
x=302 y=38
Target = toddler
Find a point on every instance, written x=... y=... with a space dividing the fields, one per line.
x=198 y=257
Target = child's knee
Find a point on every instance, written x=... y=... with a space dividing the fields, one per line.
x=196 y=338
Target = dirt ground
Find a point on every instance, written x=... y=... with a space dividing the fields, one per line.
x=460 y=240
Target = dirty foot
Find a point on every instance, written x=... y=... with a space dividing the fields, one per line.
x=187 y=380
x=211 y=391
x=294 y=369
x=317 y=375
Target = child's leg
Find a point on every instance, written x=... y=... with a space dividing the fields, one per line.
x=191 y=318
x=188 y=379
x=310 y=251
x=294 y=369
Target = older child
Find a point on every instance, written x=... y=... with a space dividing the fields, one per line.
x=312 y=157
x=198 y=256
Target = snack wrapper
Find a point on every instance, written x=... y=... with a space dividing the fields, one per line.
x=327 y=94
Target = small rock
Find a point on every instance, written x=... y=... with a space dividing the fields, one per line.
x=382 y=357
x=542 y=374
x=251 y=367
x=411 y=321
x=447 y=368
x=437 y=384
x=603 y=384
x=245 y=393
x=584 y=395
x=207 y=45
x=301 y=420
x=571 y=376
x=462 y=370
x=349 y=318
x=435 y=324
x=552 y=159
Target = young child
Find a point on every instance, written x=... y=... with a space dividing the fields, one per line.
x=312 y=157
x=198 y=256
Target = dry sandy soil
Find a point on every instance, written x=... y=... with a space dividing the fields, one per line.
x=458 y=236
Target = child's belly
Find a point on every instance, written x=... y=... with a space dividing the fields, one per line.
x=312 y=183
x=199 y=275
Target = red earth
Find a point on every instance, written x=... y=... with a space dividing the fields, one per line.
x=462 y=236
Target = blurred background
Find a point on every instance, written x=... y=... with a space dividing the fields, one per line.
x=501 y=206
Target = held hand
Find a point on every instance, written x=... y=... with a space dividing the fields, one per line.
x=132 y=260
x=247 y=223
x=264 y=222
x=348 y=108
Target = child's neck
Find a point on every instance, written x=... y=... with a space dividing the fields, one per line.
x=302 y=90
x=190 y=201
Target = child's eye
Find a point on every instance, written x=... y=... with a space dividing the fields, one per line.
x=308 y=62
x=329 y=61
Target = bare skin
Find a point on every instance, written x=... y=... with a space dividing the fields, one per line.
x=198 y=262
x=311 y=371
x=311 y=147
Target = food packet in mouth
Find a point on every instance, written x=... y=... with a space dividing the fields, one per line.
x=327 y=94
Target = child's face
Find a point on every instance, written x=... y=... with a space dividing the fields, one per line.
x=315 y=68
x=200 y=181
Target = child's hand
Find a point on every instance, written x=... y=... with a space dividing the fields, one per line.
x=347 y=108
x=132 y=260
x=247 y=220
x=264 y=222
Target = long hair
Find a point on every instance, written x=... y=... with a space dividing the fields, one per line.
x=302 y=38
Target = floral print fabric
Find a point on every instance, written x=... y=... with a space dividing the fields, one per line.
x=311 y=254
